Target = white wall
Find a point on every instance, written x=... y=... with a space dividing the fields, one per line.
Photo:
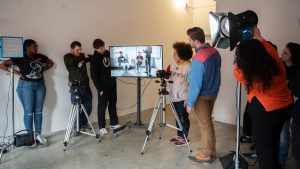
x=55 y=24
x=201 y=9
x=278 y=22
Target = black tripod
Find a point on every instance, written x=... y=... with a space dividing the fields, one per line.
x=161 y=105
x=77 y=107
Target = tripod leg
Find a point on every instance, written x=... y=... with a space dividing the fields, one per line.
x=179 y=123
x=70 y=125
x=151 y=123
x=89 y=121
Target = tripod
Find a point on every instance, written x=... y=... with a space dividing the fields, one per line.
x=77 y=108
x=161 y=105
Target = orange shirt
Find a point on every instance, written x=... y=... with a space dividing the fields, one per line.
x=275 y=97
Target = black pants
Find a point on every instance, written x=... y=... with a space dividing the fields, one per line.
x=266 y=129
x=247 y=122
x=295 y=127
x=109 y=97
x=183 y=117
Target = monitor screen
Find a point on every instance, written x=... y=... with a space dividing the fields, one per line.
x=11 y=47
x=136 y=61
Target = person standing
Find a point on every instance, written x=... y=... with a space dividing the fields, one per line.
x=291 y=58
x=204 y=87
x=106 y=86
x=259 y=68
x=75 y=62
x=180 y=71
x=31 y=86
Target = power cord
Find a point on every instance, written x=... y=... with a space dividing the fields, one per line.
x=127 y=108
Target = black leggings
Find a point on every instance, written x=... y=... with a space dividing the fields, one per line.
x=266 y=129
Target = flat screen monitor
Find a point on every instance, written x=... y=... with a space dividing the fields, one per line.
x=136 y=61
x=11 y=47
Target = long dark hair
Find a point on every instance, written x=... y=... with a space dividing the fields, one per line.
x=295 y=53
x=256 y=63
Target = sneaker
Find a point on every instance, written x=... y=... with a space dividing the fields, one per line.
x=103 y=131
x=180 y=142
x=41 y=139
x=245 y=139
x=115 y=126
x=174 y=139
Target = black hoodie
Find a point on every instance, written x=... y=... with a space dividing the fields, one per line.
x=100 y=71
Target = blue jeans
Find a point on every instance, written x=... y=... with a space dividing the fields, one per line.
x=32 y=95
x=86 y=99
x=183 y=117
x=284 y=143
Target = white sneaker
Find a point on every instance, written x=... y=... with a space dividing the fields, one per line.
x=115 y=126
x=41 y=139
x=103 y=131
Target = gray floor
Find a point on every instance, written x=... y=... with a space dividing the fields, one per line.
x=124 y=151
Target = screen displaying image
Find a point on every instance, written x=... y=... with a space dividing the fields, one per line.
x=136 y=61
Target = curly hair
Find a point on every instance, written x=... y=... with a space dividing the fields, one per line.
x=294 y=48
x=256 y=63
x=184 y=50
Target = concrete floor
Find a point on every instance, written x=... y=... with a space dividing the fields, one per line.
x=124 y=151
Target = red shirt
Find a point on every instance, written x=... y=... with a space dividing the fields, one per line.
x=275 y=97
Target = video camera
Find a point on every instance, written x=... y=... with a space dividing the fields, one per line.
x=75 y=83
x=75 y=89
x=163 y=74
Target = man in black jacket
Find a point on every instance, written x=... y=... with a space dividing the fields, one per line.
x=105 y=84
x=75 y=64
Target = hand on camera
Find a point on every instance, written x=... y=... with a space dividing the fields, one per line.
x=256 y=33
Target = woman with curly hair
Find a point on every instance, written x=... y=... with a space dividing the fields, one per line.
x=259 y=68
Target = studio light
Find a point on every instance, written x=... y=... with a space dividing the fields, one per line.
x=229 y=29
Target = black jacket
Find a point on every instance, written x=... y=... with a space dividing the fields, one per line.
x=294 y=86
x=100 y=71
x=76 y=73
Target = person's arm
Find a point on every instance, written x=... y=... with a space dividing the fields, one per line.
x=49 y=64
x=5 y=66
x=197 y=73
x=270 y=49
x=71 y=63
x=95 y=73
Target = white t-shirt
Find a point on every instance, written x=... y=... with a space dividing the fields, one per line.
x=180 y=77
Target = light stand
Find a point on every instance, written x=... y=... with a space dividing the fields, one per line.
x=239 y=161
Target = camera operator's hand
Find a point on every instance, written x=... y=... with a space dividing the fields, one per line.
x=80 y=64
x=256 y=33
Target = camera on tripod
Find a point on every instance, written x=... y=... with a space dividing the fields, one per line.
x=75 y=88
x=163 y=74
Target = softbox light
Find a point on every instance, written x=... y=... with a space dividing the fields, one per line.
x=229 y=29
